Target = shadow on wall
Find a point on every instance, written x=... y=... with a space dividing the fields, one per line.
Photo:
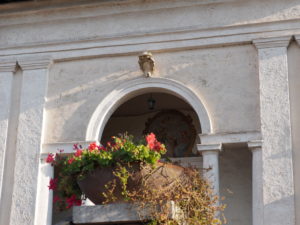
x=236 y=184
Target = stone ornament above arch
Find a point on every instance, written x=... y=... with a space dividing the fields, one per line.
x=139 y=86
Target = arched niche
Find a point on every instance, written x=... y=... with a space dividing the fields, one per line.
x=136 y=87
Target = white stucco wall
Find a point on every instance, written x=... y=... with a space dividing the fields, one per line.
x=77 y=87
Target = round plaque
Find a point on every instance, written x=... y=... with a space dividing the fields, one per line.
x=175 y=130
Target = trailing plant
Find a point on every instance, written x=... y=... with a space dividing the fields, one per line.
x=193 y=197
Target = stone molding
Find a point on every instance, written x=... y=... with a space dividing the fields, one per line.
x=274 y=42
x=255 y=145
x=209 y=147
x=230 y=138
x=160 y=40
x=8 y=66
x=61 y=5
x=33 y=63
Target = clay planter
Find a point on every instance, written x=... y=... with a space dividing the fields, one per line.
x=162 y=178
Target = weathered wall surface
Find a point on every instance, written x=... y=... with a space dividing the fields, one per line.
x=225 y=78
x=294 y=82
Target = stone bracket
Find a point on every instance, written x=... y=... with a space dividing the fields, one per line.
x=33 y=63
x=274 y=42
x=8 y=66
x=255 y=145
x=209 y=147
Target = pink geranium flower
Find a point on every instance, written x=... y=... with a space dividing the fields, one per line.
x=50 y=158
x=150 y=138
x=75 y=147
x=153 y=143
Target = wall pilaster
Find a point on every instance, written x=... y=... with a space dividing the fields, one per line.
x=277 y=167
x=25 y=203
x=7 y=70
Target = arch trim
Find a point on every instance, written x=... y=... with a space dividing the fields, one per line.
x=135 y=87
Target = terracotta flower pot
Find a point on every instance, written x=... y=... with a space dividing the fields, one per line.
x=162 y=177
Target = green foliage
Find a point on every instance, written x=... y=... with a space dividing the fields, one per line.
x=120 y=150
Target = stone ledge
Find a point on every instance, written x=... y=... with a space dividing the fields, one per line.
x=116 y=213
x=230 y=138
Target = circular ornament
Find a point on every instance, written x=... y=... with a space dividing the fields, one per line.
x=175 y=130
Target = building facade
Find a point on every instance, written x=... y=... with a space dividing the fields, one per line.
x=69 y=73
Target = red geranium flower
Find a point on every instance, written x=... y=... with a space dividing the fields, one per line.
x=157 y=146
x=102 y=148
x=93 y=146
x=50 y=158
x=52 y=184
x=73 y=201
x=71 y=160
x=78 y=153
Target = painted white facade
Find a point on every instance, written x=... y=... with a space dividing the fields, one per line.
x=65 y=67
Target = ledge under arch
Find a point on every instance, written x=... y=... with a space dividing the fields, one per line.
x=135 y=87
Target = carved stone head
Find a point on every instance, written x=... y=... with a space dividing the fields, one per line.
x=146 y=62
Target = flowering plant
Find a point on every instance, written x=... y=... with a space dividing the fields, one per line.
x=76 y=166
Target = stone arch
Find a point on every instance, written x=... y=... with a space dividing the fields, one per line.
x=135 y=87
